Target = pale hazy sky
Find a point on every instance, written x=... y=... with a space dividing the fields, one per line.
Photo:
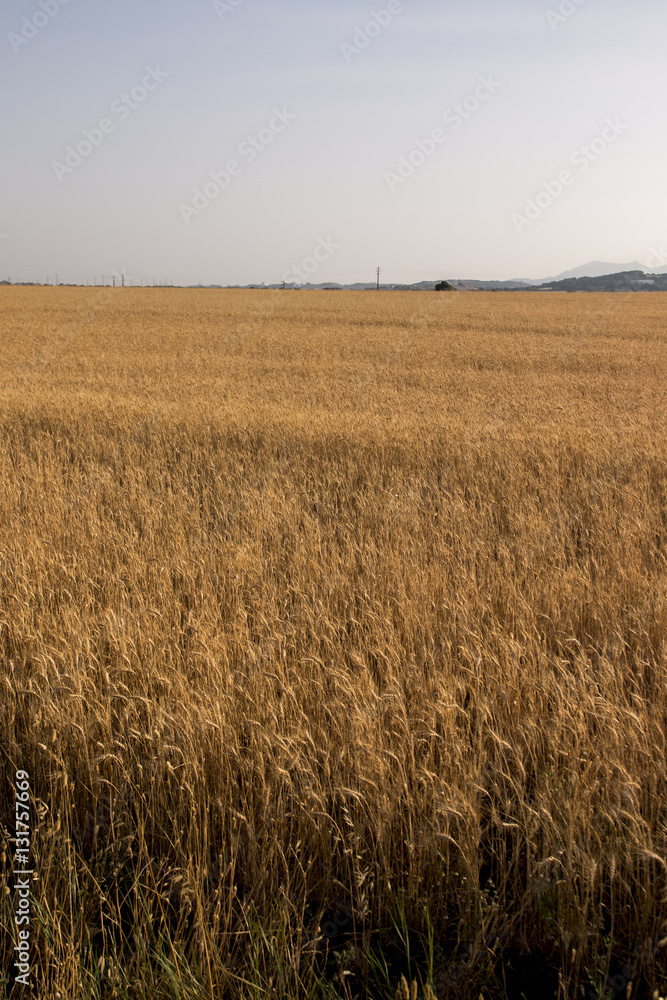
x=182 y=85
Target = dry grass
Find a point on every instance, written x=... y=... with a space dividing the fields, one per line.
x=311 y=600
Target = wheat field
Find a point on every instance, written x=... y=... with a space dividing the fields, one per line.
x=333 y=637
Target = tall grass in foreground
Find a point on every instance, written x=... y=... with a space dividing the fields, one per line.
x=338 y=612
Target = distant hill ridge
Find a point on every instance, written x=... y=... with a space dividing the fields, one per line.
x=633 y=280
x=594 y=276
x=623 y=281
x=598 y=269
x=597 y=275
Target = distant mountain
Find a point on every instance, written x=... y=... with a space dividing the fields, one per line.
x=623 y=281
x=598 y=269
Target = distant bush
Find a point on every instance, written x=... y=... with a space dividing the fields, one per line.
x=444 y=286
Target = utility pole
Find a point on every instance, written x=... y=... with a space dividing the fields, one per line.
x=123 y=280
x=56 y=279
x=378 y=275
